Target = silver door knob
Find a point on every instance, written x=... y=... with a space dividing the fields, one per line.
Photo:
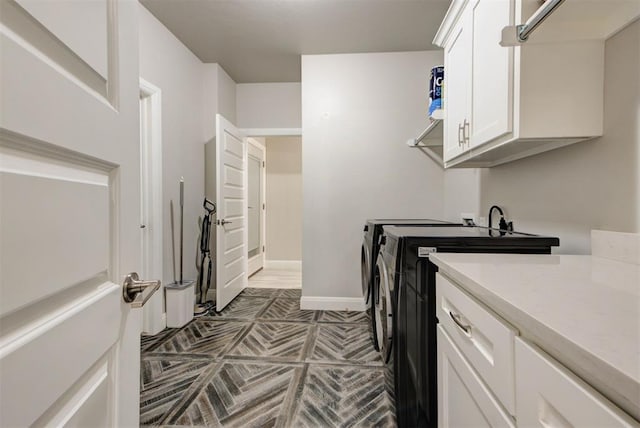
x=137 y=292
x=223 y=222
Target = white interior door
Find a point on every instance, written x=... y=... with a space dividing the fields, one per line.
x=69 y=213
x=231 y=201
x=256 y=162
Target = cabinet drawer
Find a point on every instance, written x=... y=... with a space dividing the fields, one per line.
x=485 y=341
x=463 y=399
x=549 y=395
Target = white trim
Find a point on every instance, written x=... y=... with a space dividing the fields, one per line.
x=151 y=149
x=332 y=303
x=283 y=264
x=271 y=132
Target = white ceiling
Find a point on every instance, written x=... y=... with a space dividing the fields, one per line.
x=262 y=40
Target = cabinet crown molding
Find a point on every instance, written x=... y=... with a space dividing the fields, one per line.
x=448 y=22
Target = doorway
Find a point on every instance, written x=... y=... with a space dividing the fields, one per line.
x=280 y=226
x=153 y=317
x=256 y=166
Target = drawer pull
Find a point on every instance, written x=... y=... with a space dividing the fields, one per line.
x=456 y=319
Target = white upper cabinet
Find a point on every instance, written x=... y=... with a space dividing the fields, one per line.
x=506 y=103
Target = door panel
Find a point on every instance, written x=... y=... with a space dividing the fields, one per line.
x=232 y=219
x=26 y=236
x=61 y=365
x=69 y=213
x=83 y=37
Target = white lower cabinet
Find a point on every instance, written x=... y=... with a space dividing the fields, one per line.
x=485 y=340
x=463 y=399
x=490 y=377
x=548 y=395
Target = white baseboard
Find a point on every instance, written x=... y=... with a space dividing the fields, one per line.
x=283 y=264
x=332 y=303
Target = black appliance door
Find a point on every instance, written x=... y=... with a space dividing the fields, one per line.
x=383 y=309
x=365 y=272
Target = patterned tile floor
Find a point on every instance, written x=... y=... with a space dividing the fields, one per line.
x=263 y=362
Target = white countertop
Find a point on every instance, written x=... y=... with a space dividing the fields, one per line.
x=582 y=310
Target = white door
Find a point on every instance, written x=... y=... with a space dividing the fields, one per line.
x=492 y=81
x=231 y=201
x=69 y=213
x=457 y=63
x=256 y=166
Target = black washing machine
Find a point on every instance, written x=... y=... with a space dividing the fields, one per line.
x=404 y=283
x=369 y=254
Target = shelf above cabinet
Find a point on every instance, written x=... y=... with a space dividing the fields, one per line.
x=431 y=136
x=575 y=20
x=430 y=140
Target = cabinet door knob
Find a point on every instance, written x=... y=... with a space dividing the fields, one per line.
x=460 y=134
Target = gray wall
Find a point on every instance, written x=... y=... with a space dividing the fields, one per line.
x=269 y=105
x=284 y=198
x=358 y=110
x=589 y=185
x=166 y=63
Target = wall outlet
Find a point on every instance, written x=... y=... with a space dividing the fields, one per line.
x=468 y=218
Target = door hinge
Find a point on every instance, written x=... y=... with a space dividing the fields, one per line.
x=264 y=206
x=263 y=248
x=264 y=164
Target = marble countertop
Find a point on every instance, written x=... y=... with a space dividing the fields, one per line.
x=582 y=310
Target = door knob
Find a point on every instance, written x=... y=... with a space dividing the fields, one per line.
x=138 y=292
x=223 y=222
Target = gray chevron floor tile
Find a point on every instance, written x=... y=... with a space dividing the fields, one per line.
x=242 y=307
x=290 y=293
x=242 y=394
x=344 y=397
x=148 y=341
x=262 y=362
x=260 y=292
x=287 y=310
x=163 y=382
x=281 y=341
x=203 y=336
x=344 y=317
x=344 y=343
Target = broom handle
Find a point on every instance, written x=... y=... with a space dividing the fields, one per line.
x=181 y=223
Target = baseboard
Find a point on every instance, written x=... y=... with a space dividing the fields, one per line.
x=332 y=303
x=283 y=264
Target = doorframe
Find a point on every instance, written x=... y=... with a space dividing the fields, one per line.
x=274 y=132
x=255 y=260
x=154 y=317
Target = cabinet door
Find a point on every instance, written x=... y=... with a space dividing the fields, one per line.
x=463 y=399
x=457 y=65
x=485 y=340
x=549 y=395
x=492 y=81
